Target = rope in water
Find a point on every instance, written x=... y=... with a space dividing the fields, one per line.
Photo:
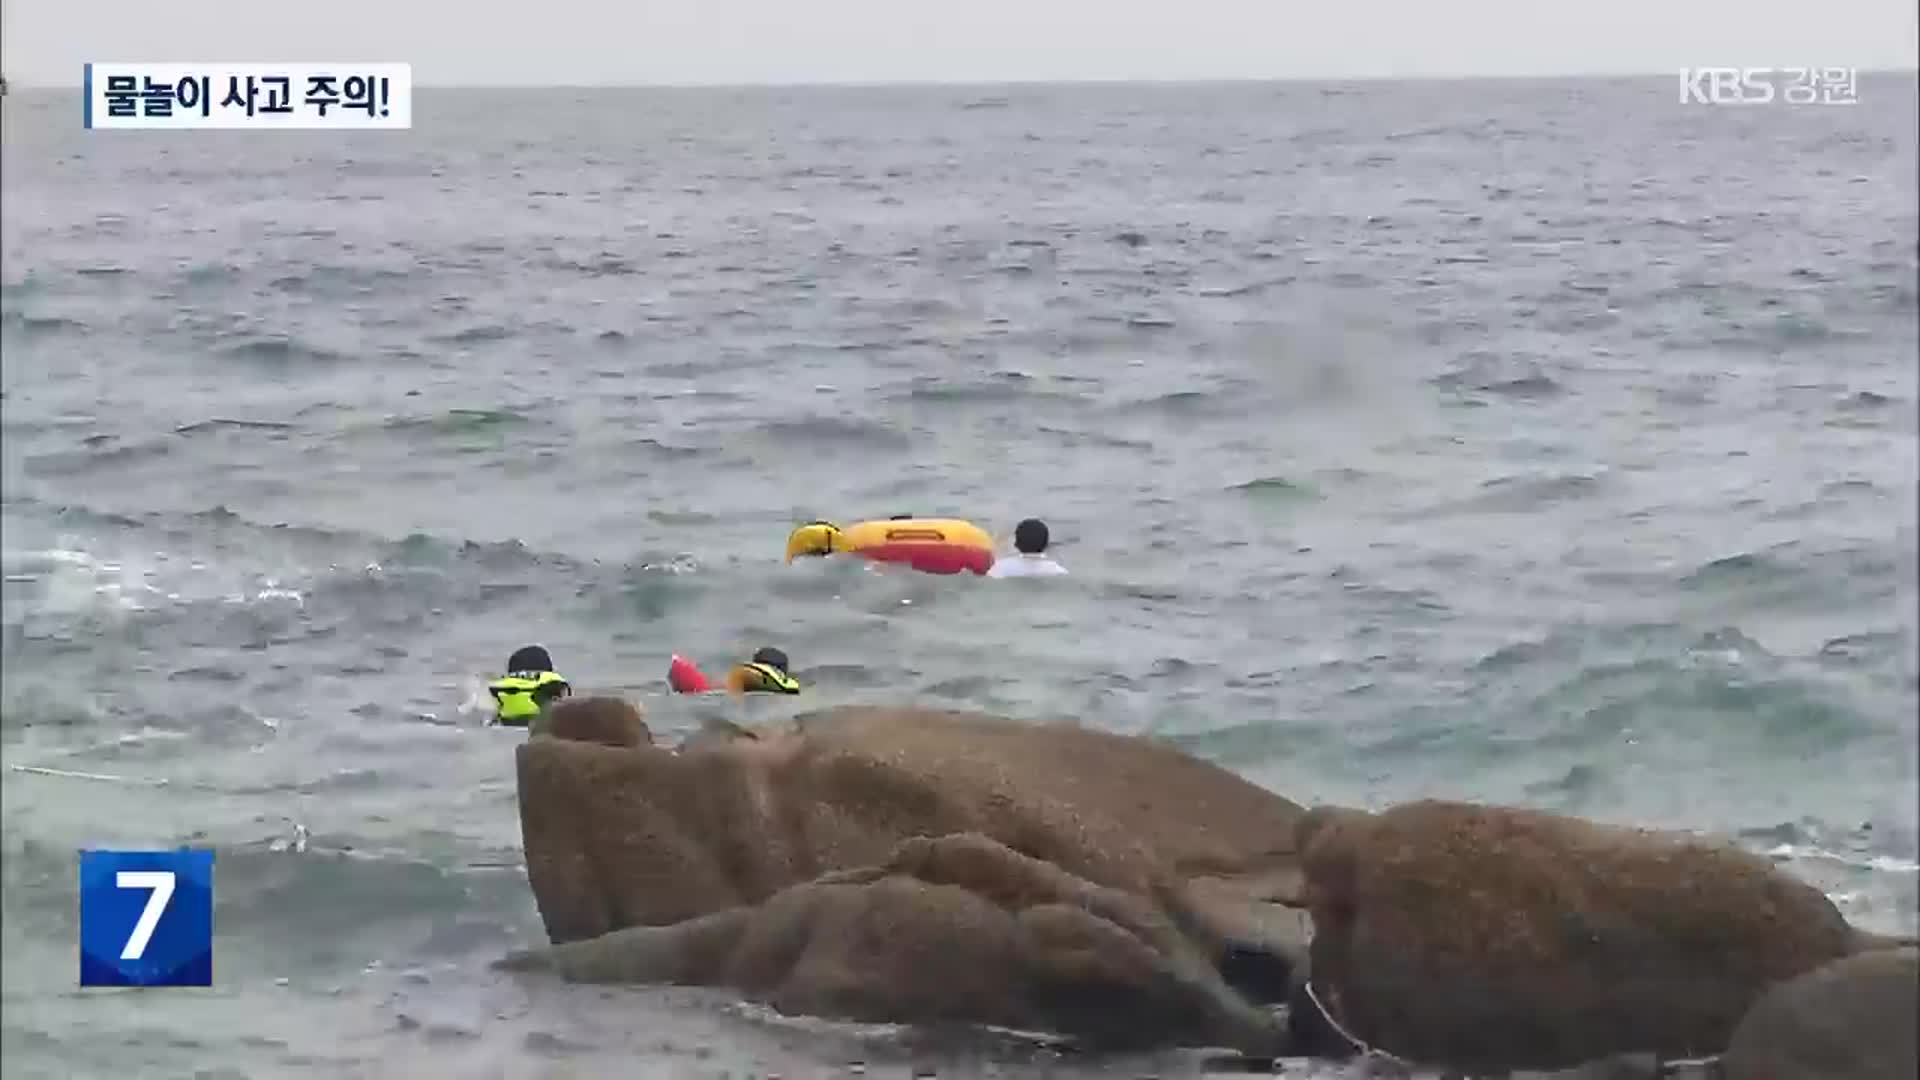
x=71 y=774
x=1666 y=1066
x=1353 y=1040
x=1711 y=1063
x=299 y=842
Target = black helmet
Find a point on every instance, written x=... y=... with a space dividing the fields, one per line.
x=530 y=658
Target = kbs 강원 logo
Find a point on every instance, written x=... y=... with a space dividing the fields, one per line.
x=1762 y=86
x=146 y=918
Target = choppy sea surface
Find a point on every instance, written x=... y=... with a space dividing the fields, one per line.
x=1536 y=442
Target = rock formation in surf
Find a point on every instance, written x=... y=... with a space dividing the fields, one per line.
x=955 y=929
x=751 y=828
x=606 y=721
x=1852 y=1019
x=1489 y=938
x=912 y=865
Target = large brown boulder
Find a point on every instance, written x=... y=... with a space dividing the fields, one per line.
x=1852 y=1019
x=608 y=721
x=1486 y=937
x=645 y=836
x=955 y=929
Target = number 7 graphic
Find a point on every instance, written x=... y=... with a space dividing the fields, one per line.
x=161 y=882
x=146 y=917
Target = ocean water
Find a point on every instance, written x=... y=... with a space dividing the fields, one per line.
x=1537 y=442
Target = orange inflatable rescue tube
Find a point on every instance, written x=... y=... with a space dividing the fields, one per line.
x=929 y=545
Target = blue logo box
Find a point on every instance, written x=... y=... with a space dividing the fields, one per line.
x=146 y=918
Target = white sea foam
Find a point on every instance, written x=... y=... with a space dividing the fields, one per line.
x=1886 y=864
x=73 y=581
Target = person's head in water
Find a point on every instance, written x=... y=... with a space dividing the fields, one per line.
x=1030 y=558
x=529 y=686
x=1030 y=537
x=530 y=658
x=766 y=673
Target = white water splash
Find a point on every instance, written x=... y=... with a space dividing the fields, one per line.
x=477 y=702
x=1886 y=864
x=73 y=581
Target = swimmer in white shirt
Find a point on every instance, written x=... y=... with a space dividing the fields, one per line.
x=1029 y=558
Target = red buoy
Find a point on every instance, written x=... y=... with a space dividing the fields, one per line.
x=685 y=678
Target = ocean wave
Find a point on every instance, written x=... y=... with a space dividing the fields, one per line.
x=1277 y=486
x=1874 y=647
x=1795 y=575
x=1093 y=437
x=278 y=349
x=69 y=581
x=1571 y=645
x=355 y=907
x=340 y=282
x=1000 y=387
x=1180 y=404
x=202 y=427
x=483 y=334
x=1707 y=699
x=39 y=326
x=1784 y=330
x=1631 y=690
x=1518 y=493
x=605 y=264
x=214 y=578
x=99 y=451
x=832 y=432
x=455 y=422
x=649 y=592
x=1865 y=400
x=649 y=447
x=96 y=452
x=1513 y=377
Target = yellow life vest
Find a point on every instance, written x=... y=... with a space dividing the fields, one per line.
x=761 y=678
x=522 y=695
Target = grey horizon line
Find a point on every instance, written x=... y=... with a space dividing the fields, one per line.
x=14 y=86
